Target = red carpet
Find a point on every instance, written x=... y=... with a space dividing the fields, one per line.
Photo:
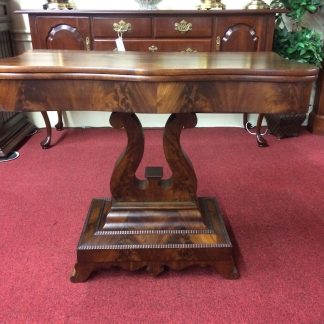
x=272 y=198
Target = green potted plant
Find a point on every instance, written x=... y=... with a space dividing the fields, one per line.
x=294 y=41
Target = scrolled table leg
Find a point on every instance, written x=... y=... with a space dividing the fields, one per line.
x=260 y=139
x=59 y=125
x=45 y=143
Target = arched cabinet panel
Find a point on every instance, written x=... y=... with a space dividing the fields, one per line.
x=240 y=37
x=57 y=32
x=243 y=33
x=65 y=36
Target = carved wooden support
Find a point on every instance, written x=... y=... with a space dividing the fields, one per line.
x=182 y=186
x=59 y=125
x=125 y=186
x=153 y=223
x=261 y=141
x=46 y=142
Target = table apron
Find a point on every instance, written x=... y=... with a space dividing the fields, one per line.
x=156 y=97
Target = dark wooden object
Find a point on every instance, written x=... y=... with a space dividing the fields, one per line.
x=154 y=223
x=153 y=31
x=14 y=127
x=248 y=126
x=316 y=117
x=283 y=125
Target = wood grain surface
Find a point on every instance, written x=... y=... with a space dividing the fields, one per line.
x=155 y=82
x=154 y=223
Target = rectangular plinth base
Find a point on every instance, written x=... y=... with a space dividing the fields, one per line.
x=203 y=242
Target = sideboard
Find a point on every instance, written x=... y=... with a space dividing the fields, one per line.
x=152 y=31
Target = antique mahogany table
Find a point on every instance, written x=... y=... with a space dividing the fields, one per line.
x=154 y=222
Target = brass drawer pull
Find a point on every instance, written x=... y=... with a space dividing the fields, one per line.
x=189 y=50
x=87 y=43
x=218 y=43
x=122 y=27
x=183 y=26
x=153 y=48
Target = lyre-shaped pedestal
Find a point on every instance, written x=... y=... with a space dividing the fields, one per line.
x=153 y=223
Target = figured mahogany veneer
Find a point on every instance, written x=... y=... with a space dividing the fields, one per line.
x=154 y=222
x=154 y=31
x=158 y=83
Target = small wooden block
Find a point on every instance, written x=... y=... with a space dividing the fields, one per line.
x=153 y=172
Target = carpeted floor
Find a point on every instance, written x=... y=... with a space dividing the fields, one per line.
x=272 y=198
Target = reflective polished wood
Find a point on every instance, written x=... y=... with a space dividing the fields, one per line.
x=153 y=30
x=155 y=82
x=154 y=222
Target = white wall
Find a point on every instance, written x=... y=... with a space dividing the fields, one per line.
x=21 y=34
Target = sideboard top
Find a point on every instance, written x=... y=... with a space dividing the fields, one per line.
x=75 y=12
x=162 y=66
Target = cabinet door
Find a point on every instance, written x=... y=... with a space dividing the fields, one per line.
x=241 y=33
x=61 y=33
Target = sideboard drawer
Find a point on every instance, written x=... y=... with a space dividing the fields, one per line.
x=182 y=26
x=129 y=27
x=130 y=45
x=178 y=45
x=170 y=45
